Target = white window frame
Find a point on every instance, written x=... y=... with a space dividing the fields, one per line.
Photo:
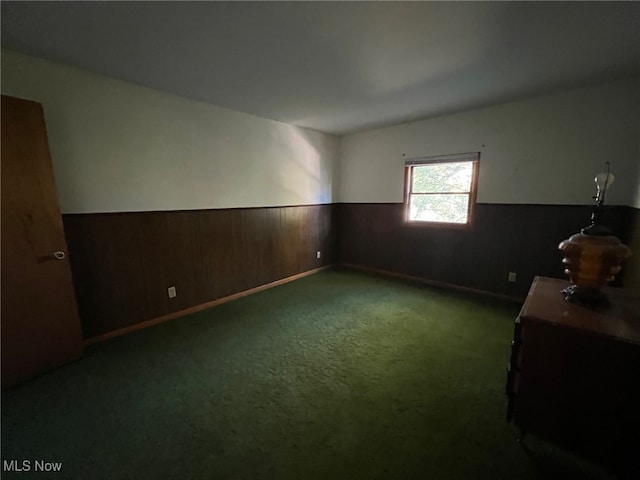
x=471 y=157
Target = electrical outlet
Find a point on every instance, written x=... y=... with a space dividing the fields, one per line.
x=318 y=254
x=512 y=276
x=171 y=291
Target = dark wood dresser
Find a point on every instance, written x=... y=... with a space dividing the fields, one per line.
x=574 y=375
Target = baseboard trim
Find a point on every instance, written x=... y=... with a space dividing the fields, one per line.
x=198 y=308
x=432 y=283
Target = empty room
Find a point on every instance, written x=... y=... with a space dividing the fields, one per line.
x=313 y=240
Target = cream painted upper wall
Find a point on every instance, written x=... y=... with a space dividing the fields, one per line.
x=121 y=147
x=544 y=150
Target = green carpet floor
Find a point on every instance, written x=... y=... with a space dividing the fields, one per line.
x=339 y=375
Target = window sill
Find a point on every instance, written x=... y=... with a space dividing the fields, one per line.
x=438 y=225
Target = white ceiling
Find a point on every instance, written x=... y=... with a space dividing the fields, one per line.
x=337 y=67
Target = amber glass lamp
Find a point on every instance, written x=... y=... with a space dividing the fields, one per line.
x=594 y=256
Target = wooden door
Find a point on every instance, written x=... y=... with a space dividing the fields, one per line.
x=40 y=323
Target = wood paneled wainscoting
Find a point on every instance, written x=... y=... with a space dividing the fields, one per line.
x=504 y=238
x=123 y=263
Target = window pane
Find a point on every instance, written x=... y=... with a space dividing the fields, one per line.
x=451 y=208
x=442 y=177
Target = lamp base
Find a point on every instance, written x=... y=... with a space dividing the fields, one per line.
x=593 y=298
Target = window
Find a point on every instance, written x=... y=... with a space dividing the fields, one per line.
x=441 y=190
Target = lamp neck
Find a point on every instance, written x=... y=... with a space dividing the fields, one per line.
x=596 y=228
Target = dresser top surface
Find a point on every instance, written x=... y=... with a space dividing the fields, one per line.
x=545 y=302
